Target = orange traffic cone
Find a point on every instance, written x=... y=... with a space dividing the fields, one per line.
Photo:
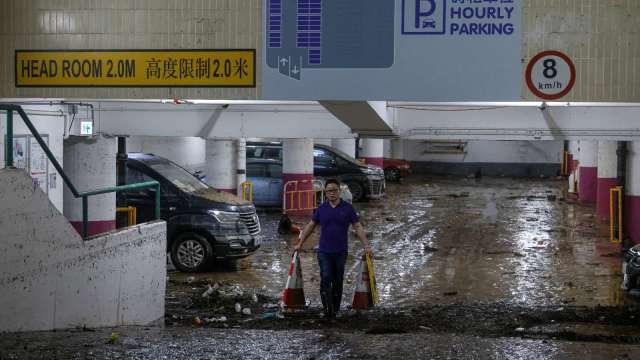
x=362 y=296
x=293 y=295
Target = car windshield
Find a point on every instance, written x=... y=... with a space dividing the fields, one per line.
x=344 y=155
x=179 y=177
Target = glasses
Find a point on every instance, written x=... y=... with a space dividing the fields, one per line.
x=331 y=190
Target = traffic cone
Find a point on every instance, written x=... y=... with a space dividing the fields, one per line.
x=362 y=297
x=293 y=295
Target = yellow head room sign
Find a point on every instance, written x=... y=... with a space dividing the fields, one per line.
x=135 y=68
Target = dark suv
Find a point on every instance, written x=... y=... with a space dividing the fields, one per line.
x=203 y=224
x=364 y=181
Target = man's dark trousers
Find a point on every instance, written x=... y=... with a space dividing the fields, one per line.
x=331 y=280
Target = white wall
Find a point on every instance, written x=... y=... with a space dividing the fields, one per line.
x=188 y=152
x=51 y=279
x=48 y=120
x=490 y=152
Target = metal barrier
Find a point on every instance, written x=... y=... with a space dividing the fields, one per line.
x=564 y=165
x=132 y=214
x=615 y=214
x=8 y=156
x=291 y=191
x=247 y=185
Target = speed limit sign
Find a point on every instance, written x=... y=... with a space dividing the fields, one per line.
x=550 y=75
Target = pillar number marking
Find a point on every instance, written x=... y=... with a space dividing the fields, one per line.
x=550 y=75
x=135 y=68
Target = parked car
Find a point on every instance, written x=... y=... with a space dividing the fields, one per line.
x=364 y=181
x=203 y=224
x=266 y=178
x=631 y=270
x=395 y=169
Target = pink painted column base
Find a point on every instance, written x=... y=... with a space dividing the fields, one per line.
x=377 y=161
x=95 y=227
x=631 y=225
x=298 y=200
x=603 y=198
x=588 y=184
x=230 y=191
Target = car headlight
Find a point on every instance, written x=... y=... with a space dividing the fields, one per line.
x=370 y=171
x=225 y=216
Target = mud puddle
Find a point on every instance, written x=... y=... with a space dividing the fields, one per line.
x=466 y=269
x=442 y=243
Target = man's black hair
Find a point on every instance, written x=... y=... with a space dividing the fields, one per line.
x=332 y=181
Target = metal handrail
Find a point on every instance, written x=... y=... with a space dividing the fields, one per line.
x=132 y=214
x=615 y=215
x=10 y=108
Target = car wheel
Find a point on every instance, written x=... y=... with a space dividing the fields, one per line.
x=357 y=191
x=392 y=174
x=191 y=253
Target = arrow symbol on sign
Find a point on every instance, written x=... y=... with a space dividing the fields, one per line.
x=295 y=69
x=284 y=61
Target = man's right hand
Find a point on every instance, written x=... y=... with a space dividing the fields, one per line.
x=298 y=245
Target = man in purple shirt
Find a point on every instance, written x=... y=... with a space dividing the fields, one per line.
x=334 y=216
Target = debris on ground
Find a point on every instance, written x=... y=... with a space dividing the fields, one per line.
x=113 y=338
x=428 y=248
x=197 y=321
x=216 y=319
x=216 y=304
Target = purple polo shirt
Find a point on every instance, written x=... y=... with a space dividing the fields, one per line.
x=334 y=234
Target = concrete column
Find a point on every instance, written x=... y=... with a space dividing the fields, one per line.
x=241 y=164
x=588 y=172
x=397 y=149
x=632 y=199
x=345 y=145
x=90 y=163
x=372 y=151
x=327 y=142
x=607 y=168
x=386 y=153
x=297 y=168
x=221 y=165
x=573 y=162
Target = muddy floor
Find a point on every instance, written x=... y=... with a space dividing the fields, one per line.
x=466 y=268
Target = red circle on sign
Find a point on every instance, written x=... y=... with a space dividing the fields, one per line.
x=529 y=75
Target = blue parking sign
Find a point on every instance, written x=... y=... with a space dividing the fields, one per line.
x=423 y=17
